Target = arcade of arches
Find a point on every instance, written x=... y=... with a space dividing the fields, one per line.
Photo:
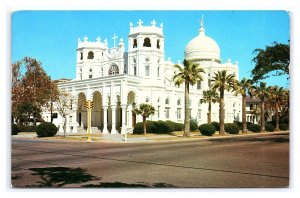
x=108 y=115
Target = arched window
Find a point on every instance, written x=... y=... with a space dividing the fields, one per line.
x=178 y=102
x=81 y=55
x=91 y=55
x=167 y=101
x=158 y=44
x=147 y=70
x=147 y=42
x=113 y=70
x=134 y=43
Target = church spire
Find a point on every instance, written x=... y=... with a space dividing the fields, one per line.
x=202 y=30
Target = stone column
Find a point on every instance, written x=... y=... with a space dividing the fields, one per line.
x=113 y=120
x=105 y=131
x=129 y=117
x=68 y=126
x=123 y=128
x=74 y=121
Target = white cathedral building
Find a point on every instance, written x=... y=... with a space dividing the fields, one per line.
x=117 y=80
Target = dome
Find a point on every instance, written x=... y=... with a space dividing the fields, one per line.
x=202 y=47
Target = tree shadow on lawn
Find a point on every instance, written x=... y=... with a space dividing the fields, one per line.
x=60 y=176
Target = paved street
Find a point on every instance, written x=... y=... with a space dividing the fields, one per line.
x=254 y=161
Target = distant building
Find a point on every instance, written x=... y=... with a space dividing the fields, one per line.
x=118 y=80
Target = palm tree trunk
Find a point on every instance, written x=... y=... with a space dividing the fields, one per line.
x=262 y=115
x=145 y=125
x=209 y=113
x=186 y=110
x=222 y=130
x=244 y=115
x=277 y=117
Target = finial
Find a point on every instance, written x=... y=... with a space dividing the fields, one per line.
x=105 y=41
x=98 y=39
x=201 y=22
x=130 y=24
x=202 y=30
x=161 y=25
x=85 y=38
x=140 y=22
x=153 y=22
x=114 y=38
x=79 y=40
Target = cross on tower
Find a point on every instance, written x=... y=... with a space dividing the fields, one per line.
x=98 y=39
x=153 y=23
x=140 y=23
x=85 y=38
x=114 y=37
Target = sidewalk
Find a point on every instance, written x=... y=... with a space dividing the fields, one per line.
x=118 y=138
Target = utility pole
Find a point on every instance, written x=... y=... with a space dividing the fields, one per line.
x=89 y=105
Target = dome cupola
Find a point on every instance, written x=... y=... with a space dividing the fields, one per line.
x=202 y=47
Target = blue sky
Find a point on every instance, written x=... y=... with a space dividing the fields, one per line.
x=51 y=36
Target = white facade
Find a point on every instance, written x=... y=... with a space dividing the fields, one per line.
x=117 y=80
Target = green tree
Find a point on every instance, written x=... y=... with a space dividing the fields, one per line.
x=223 y=82
x=274 y=59
x=262 y=93
x=277 y=97
x=145 y=110
x=190 y=73
x=210 y=96
x=244 y=87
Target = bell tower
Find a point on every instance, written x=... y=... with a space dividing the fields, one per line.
x=146 y=51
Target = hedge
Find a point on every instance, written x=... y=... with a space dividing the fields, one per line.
x=193 y=125
x=157 y=127
x=284 y=127
x=207 y=129
x=254 y=128
x=46 y=129
x=14 y=129
x=231 y=128
x=24 y=128
x=217 y=125
x=269 y=127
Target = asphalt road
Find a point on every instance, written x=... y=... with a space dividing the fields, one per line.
x=256 y=161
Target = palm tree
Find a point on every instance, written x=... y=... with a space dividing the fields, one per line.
x=210 y=96
x=261 y=91
x=189 y=74
x=244 y=87
x=145 y=110
x=222 y=82
x=277 y=96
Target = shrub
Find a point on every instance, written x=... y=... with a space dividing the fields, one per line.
x=193 y=125
x=178 y=126
x=248 y=124
x=139 y=128
x=14 y=129
x=162 y=127
x=217 y=125
x=46 y=129
x=27 y=128
x=174 y=125
x=231 y=128
x=284 y=127
x=269 y=127
x=207 y=129
x=254 y=128
x=239 y=124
